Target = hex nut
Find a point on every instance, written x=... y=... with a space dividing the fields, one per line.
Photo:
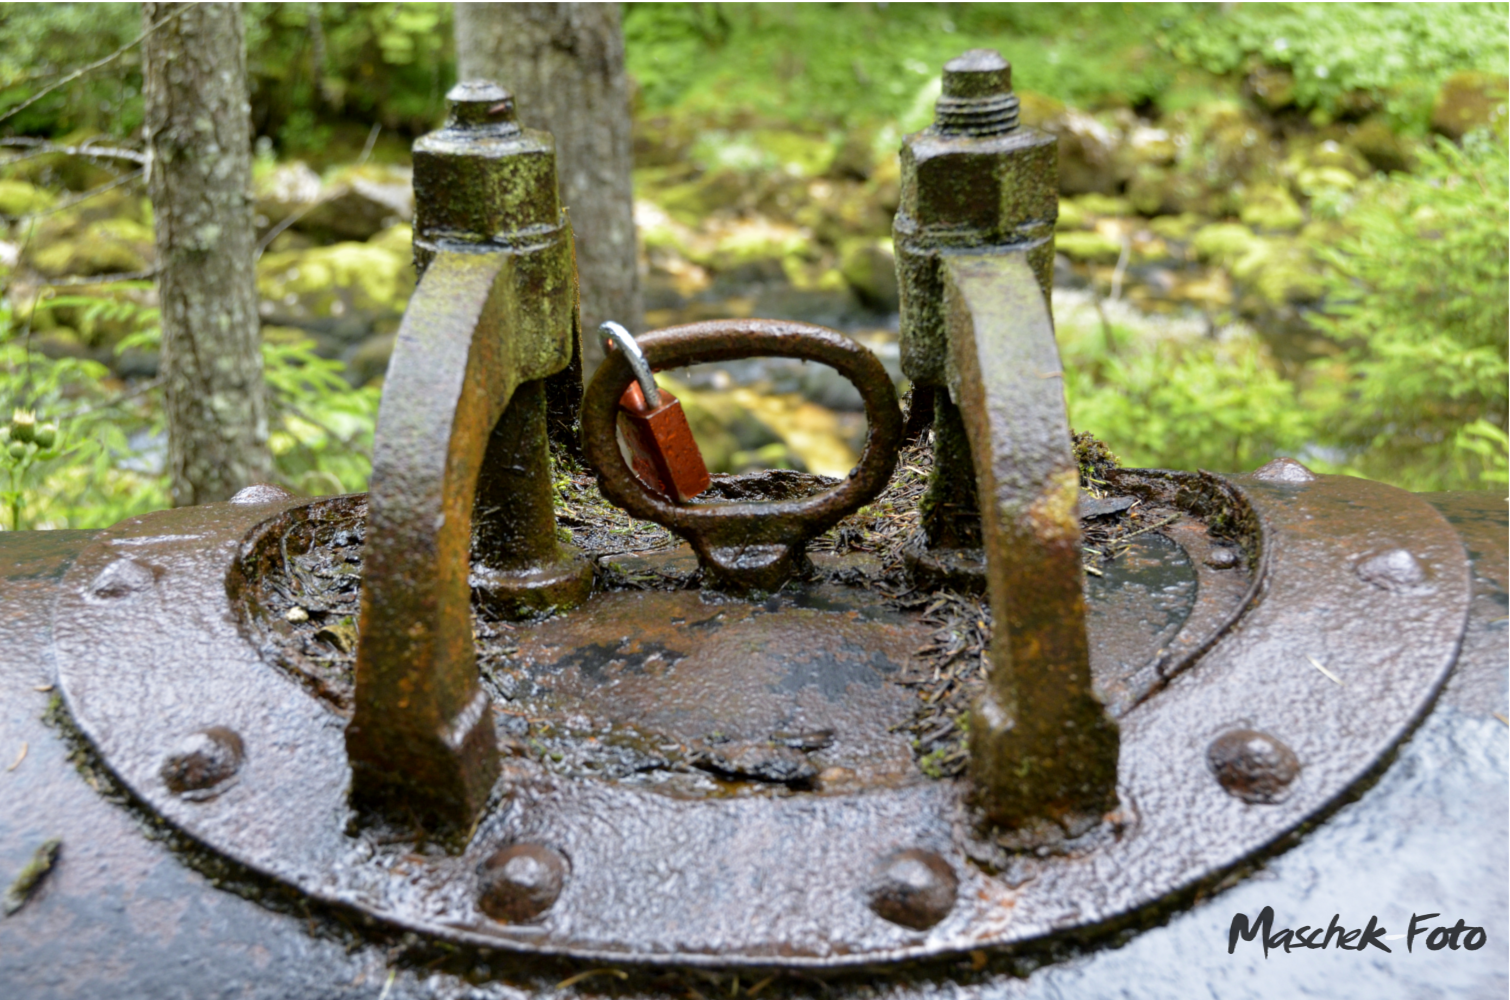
x=1253 y=765
x=204 y=763
x=914 y=888
x=520 y=882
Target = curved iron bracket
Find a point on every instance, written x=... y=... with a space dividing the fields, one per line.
x=1041 y=744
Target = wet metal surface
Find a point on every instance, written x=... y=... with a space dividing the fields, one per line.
x=460 y=463
x=1042 y=746
x=647 y=867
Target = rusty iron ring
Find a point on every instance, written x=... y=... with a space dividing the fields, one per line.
x=718 y=530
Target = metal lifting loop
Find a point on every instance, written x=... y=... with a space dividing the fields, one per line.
x=613 y=333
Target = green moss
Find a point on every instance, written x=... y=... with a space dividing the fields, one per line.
x=1088 y=246
x=21 y=198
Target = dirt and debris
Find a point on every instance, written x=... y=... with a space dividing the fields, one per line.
x=309 y=607
x=30 y=878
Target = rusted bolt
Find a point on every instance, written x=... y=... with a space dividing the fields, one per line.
x=1284 y=470
x=1222 y=557
x=1252 y=765
x=204 y=763
x=482 y=102
x=1392 y=570
x=520 y=882
x=914 y=888
x=977 y=96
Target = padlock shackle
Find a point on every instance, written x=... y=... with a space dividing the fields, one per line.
x=615 y=335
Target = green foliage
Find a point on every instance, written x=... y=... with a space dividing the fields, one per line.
x=42 y=42
x=1418 y=299
x=313 y=66
x=845 y=64
x=1393 y=53
x=1181 y=403
x=310 y=67
x=322 y=428
x=107 y=460
x=100 y=468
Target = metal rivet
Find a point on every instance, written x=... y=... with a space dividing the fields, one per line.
x=262 y=493
x=1221 y=557
x=520 y=882
x=1252 y=765
x=913 y=888
x=119 y=580
x=1392 y=570
x=204 y=763
x=1284 y=470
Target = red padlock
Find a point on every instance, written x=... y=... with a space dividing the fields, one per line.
x=654 y=429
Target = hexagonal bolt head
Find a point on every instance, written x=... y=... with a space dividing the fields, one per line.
x=483 y=178
x=204 y=763
x=914 y=888
x=972 y=179
x=1253 y=765
x=520 y=882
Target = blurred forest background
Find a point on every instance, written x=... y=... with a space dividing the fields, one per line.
x=1283 y=227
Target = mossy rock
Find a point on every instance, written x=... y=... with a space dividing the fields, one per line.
x=1035 y=109
x=20 y=198
x=1377 y=143
x=351 y=289
x=1470 y=100
x=1157 y=191
x=1087 y=152
x=691 y=202
x=1224 y=243
x=1270 y=207
x=855 y=158
x=1179 y=228
x=283 y=190
x=837 y=212
x=108 y=246
x=357 y=203
x=1270 y=87
x=1276 y=273
x=1088 y=247
x=752 y=242
x=869 y=268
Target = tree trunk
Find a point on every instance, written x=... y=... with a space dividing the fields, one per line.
x=564 y=64
x=198 y=128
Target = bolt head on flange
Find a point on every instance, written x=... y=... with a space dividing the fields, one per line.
x=204 y=763
x=520 y=882
x=913 y=888
x=1253 y=765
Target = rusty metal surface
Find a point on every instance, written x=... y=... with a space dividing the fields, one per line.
x=1042 y=747
x=746 y=546
x=122 y=915
x=460 y=464
x=717 y=881
x=973 y=179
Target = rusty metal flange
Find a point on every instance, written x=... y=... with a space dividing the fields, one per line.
x=1354 y=627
